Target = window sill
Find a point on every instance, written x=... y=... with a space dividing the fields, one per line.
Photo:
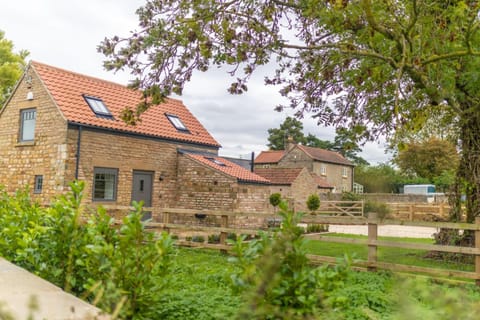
x=25 y=144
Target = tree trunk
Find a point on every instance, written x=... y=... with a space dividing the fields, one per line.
x=468 y=173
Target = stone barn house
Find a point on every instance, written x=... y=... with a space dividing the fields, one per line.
x=294 y=184
x=330 y=169
x=59 y=126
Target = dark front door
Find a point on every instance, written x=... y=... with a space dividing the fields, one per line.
x=142 y=187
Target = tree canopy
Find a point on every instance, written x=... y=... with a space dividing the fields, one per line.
x=376 y=67
x=292 y=128
x=11 y=67
x=427 y=159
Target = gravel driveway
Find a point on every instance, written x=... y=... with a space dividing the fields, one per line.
x=387 y=230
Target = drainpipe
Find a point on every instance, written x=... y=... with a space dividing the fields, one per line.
x=79 y=139
x=251 y=162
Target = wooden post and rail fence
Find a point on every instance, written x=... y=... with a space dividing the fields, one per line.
x=227 y=225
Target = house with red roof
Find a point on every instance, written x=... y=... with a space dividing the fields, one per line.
x=330 y=170
x=59 y=126
x=294 y=184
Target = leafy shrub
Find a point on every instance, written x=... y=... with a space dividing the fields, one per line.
x=275 y=199
x=350 y=196
x=314 y=228
x=276 y=276
x=313 y=202
x=232 y=236
x=115 y=266
x=198 y=239
x=214 y=238
x=381 y=209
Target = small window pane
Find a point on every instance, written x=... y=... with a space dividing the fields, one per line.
x=105 y=184
x=27 y=126
x=97 y=106
x=177 y=123
x=38 y=184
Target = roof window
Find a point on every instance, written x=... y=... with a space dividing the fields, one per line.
x=98 y=106
x=216 y=161
x=176 y=122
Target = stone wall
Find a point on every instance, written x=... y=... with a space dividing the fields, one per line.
x=46 y=155
x=334 y=175
x=127 y=153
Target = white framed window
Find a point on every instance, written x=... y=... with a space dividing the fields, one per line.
x=105 y=182
x=344 y=172
x=97 y=105
x=38 y=185
x=28 y=117
x=323 y=170
x=176 y=122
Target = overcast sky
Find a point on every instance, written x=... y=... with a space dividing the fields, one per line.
x=66 y=33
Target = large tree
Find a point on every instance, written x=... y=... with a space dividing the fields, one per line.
x=373 y=66
x=427 y=159
x=291 y=128
x=11 y=67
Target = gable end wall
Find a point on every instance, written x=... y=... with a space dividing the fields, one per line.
x=47 y=155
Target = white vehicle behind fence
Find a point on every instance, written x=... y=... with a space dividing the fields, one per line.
x=427 y=190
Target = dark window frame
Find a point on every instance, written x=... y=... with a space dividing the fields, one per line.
x=22 y=124
x=38 y=184
x=95 y=186
x=90 y=101
x=176 y=122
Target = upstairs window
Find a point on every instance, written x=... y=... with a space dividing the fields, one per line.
x=344 y=172
x=323 y=170
x=97 y=106
x=105 y=184
x=27 y=124
x=176 y=122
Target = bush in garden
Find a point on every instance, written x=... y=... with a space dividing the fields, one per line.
x=114 y=266
x=275 y=199
x=381 y=209
x=276 y=277
x=314 y=228
x=214 y=238
x=313 y=202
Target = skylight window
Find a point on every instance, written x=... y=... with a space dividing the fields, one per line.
x=217 y=162
x=97 y=106
x=177 y=123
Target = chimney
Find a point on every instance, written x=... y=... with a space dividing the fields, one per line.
x=290 y=143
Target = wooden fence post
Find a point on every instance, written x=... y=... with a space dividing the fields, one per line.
x=477 y=257
x=410 y=213
x=372 y=236
x=224 y=234
x=166 y=220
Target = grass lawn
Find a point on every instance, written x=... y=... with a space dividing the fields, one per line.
x=391 y=255
x=198 y=288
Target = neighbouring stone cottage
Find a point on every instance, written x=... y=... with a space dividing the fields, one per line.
x=59 y=126
x=330 y=169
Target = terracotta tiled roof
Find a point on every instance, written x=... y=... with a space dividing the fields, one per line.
x=325 y=155
x=229 y=168
x=67 y=89
x=269 y=156
x=279 y=176
x=321 y=182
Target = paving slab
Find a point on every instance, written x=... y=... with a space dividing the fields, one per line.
x=18 y=286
